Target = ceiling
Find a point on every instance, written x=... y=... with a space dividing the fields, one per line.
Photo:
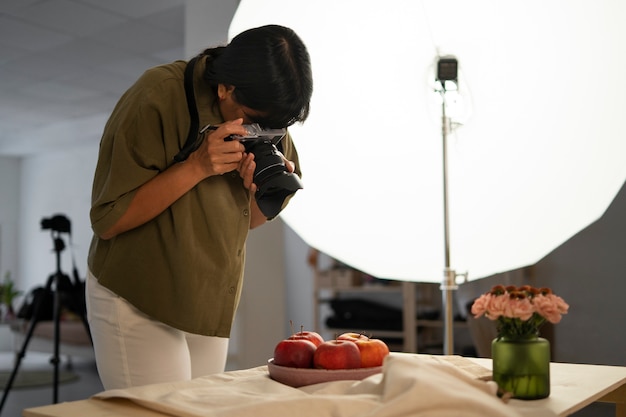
x=64 y=64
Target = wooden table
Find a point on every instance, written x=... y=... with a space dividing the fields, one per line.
x=573 y=387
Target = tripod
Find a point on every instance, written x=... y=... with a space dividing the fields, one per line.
x=53 y=287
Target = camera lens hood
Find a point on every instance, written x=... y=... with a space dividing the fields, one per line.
x=271 y=194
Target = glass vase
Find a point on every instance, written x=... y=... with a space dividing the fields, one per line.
x=521 y=367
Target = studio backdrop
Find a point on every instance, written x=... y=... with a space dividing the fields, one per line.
x=536 y=149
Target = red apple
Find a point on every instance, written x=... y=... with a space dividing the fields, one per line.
x=337 y=354
x=314 y=337
x=294 y=353
x=373 y=352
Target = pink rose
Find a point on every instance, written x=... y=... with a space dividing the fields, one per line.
x=520 y=308
x=480 y=305
x=496 y=306
x=551 y=307
x=561 y=305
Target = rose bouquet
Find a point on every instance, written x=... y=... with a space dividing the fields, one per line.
x=520 y=311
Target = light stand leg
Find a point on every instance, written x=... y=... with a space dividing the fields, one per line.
x=57 y=336
x=58 y=248
x=22 y=353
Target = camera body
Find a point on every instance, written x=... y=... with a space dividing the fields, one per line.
x=57 y=223
x=274 y=182
x=257 y=133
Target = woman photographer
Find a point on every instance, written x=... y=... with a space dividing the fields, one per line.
x=167 y=257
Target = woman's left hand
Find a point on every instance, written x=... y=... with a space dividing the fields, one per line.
x=246 y=171
x=248 y=165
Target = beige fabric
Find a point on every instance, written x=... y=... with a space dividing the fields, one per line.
x=410 y=385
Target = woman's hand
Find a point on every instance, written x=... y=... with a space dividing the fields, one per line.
x=291 y=167
x=248 y=165
x=246 y=171
x=217 y=156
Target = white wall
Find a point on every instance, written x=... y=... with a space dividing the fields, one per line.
x=9 y=215
x=299 y=282
x=261 y=312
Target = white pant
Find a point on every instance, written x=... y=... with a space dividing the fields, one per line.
x=132 y=349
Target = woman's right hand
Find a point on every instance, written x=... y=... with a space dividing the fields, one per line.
x=217 y=156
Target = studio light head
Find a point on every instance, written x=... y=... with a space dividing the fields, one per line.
x=447 y=69
x=447 y=72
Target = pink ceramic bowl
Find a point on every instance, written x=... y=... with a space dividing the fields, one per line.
x=298 y=377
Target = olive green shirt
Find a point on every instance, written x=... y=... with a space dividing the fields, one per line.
x=184 y=267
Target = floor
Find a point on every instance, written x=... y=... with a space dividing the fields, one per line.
x=89 y=384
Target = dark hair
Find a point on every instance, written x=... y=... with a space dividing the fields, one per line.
x=270 y=68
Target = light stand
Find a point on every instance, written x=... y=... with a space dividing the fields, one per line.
x=447 y=71
x=53 y=286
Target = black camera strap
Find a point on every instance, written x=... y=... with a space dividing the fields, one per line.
x=192 y=142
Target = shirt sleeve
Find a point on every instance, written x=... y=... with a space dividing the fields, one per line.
x=132 y=150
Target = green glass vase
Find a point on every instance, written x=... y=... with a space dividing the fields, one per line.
x=521 y=367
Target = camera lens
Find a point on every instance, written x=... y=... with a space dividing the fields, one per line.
x=274 y=182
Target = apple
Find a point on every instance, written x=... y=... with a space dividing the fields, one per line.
x=294 y=353
x=337 y=354
x=314 y=337
x=373 y=351
x=352 y=336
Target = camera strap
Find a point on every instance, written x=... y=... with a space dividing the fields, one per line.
x=192 y=142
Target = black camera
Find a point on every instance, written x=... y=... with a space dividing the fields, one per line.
x=58 y=223
x=274 y=182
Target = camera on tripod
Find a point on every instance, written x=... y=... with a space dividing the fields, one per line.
x=38 y=303
x=58 y=223
x=45 y=303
